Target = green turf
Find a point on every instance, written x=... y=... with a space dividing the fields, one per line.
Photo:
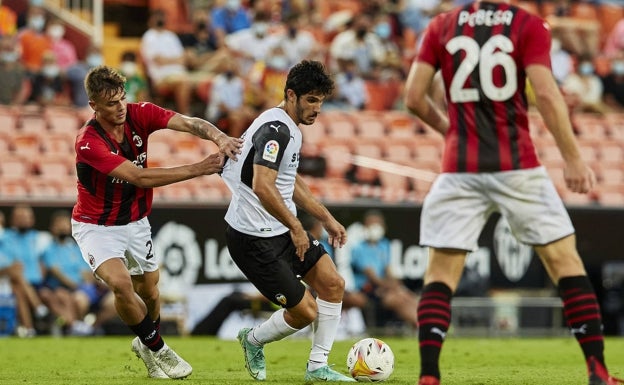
x=465 y=361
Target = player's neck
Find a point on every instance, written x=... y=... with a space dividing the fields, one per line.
x=289 y=111
x=114 y=130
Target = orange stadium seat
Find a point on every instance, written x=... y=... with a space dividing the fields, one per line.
x=14 y=188
x=58 y=144
x=338 y=159
x=371 y=129
x=341 y=130
x=15 y=167
x=34 y=124
x=26 y=144
x=313 y=133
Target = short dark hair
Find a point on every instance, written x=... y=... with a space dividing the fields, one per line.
x=309 y=76
x=103 y=81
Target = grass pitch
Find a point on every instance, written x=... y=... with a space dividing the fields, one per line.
x=465 y=361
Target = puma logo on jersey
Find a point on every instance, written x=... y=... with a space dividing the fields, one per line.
x=275 y=127
x=85 y=147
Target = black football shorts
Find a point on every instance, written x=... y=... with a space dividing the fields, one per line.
x=272 y=265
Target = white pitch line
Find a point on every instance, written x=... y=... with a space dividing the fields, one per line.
x=399 y=169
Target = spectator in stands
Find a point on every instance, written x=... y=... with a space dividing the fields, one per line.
x=614 y=45
x=33 y=41
x=614 y=83
x=229 y=18
x=12 y=269
x=296 y=43
x=76 y=75
x=136 y=85
x=359 y=43
x=390 y=66
x=64 y=50
x=370 y=260
x=585 y=87
x=25 y=245
x=14 y=83
x=64 y=272
x=253 y=45
x=351 y=92
x=200 y=46
x=8 y=21
x=163 y=55
x=562 y=62
x=226 y=105
x=48 y=87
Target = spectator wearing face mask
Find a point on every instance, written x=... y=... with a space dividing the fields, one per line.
x=297 y=43
x=63 y=49
x=613 y=84
x=33 y=41
x=229 y=18
x=136 y=85
x=77 y=73
x=584 y=88
x=48 y=84
x=226 y=105
x=351 y=92
x=370 y=261
x=14 y=84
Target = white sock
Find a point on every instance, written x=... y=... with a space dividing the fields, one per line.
x=273 y=329
x=325 y=327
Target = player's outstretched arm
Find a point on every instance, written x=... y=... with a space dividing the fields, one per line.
x=551 y=105
x=203 y=129
x=304 y=199
x=161 y=176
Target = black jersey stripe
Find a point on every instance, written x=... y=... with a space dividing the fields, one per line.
x=462 y=130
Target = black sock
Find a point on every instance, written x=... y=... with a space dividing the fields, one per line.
x=582 y=314
x=157 y=324
x=434 y=317
x=148 y=334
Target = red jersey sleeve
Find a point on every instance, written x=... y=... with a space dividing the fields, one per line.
x=535 y=42
x=149 y=117
x=93 y=150
x=430 y=46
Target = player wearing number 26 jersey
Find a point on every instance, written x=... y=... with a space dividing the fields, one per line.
x=482 y=55
x=485 y=51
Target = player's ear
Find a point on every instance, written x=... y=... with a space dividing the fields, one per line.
x=290 y=95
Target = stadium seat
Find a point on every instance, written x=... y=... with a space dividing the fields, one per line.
x=313 y=133
x=338 y=157
x=59 y=144
x=611 y=153
x=13 y=188
x=54 y=167
x=341 y=130
x=43 y=188
x=63 y=122
x=371 y=129
x=26 y=144
x=33 y=124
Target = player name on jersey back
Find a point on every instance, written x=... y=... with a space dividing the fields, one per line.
x=485 y=17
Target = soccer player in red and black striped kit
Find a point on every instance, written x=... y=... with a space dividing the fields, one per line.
x=109 y=219
x=485 y=51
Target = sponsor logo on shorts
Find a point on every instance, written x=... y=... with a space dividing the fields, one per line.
x=91 y=260
x=270 y=151
x=281 y=299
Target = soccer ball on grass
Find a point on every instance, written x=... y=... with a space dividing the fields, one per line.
x=370 y=360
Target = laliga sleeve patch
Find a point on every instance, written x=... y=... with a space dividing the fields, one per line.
x=271 y=149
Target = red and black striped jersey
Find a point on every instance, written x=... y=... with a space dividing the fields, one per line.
x=105 y=200
x=482 y=50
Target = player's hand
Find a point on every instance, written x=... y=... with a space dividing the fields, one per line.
x=230 y=146
x=579 y=177
x=212 y=164
x=301 y=241
x=337 y=233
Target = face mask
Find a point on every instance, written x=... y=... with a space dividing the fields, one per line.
x=360 y=33
x=375 y=232
x=586 y=69
x=36 y=23
x=63 y=236
x=128 y=68
x=229 y=74
x=50 y=71
x=617 y=68
x=94 y=60
x=278 y=62
x=292 y=32
x=260 y=29
x=232 y=5
x=8 y=57
x=56 y=32
x=160 y=23
x=383 y=30
x=22 y=230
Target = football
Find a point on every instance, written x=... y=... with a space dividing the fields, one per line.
x=370 y=360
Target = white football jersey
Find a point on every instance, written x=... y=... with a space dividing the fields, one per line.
x=273 y=140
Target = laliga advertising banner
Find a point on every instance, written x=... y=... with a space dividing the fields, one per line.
x=190 y=244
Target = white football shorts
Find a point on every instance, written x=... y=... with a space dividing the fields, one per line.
x=131 y=242
x=459 y=204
